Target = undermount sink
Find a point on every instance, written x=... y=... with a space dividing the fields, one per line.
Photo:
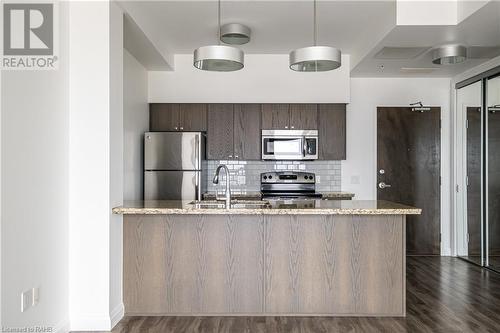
x=234 y=203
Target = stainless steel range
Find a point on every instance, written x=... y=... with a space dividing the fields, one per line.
x=288 y=185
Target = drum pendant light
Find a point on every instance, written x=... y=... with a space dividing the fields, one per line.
x=315 y=58
x=218 y=58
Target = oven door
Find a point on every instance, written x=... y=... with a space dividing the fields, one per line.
x=283 y=148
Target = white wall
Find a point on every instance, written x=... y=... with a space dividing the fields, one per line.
x=361 y=163
x=265 y=79
x=135 y=123
x=34 y=191
x=96 y=164
x=116 y=307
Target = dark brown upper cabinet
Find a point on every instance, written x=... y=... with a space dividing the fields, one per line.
x=247 y=131
x=332 y=131
x=177 y=117
x=304 y=116
x=290 y=116
x=220 y=133
x=275 y=116
x=233 y=132
x=193 y=117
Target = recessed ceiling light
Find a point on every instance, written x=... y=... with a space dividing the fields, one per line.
x=449 y=55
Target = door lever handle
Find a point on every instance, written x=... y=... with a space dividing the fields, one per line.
x=383 y=185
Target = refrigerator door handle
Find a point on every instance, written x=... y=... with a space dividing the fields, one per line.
x=197 y=152
x=197 y=186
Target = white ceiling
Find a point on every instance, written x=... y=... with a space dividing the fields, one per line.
x=359 y=28
x=481 y=29
x=277 y=26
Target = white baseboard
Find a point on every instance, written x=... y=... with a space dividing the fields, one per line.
x=117 y=314
x=96 y=322
x=90 y=322
x=445 y=252
x=62 y=327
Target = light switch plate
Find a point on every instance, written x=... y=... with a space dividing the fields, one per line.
x=36 y=296
x=26 y=299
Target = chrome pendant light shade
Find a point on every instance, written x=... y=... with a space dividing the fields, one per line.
x=315 y=58
x=218 y=58
x=235 y=34
x=449 y=55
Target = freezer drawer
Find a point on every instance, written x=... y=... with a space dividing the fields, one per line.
x=172 y=185
x=173 y=150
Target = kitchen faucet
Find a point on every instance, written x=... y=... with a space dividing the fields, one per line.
x=228 y=185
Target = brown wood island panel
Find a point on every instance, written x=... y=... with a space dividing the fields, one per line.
x=345 y=265
x=264 y=265
x=193 y=264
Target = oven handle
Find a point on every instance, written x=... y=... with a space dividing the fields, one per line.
x=304 y=146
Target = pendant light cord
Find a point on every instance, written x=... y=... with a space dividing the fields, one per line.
x=218 y=20
x=315 y=25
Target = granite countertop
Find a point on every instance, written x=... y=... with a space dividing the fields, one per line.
x=256 y=195
x=294 y=207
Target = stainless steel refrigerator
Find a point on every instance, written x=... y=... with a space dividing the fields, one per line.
x=173 y=165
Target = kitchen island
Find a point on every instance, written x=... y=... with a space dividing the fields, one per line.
x=312 y=258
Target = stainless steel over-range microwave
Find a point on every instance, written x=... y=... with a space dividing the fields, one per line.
x=289 y=144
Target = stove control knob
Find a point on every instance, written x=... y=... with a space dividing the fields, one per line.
x=270 y=177
x=265 y=177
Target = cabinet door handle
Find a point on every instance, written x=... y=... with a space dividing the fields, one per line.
x=175 y=128
x=230 y=156
x=235 y=156
x=286 y=127
x=182 y=128
x=292 y=127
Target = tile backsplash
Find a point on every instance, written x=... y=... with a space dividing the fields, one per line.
x=245 y=175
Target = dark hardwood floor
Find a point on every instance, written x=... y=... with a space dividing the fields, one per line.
x=443 y=295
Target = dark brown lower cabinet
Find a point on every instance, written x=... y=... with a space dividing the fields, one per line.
x=332 y=131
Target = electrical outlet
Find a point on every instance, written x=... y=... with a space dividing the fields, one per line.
x=26 y=299
x=36 y=296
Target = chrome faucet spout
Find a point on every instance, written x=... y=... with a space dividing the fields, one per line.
x=227 y=197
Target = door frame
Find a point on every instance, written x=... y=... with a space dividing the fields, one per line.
x=459 y=215
x=445 y=191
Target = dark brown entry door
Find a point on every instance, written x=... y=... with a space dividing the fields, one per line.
x=408 y=160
